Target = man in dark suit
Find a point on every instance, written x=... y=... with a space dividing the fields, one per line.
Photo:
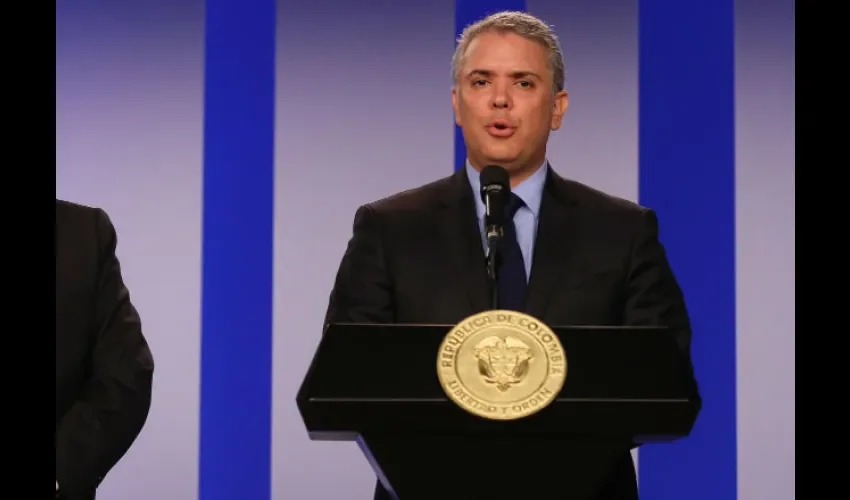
x=582 y=256
x=104 y=368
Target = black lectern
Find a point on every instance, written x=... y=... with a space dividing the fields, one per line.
x=378 y=385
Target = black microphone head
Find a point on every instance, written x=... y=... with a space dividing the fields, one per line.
x=494 y=174
x=495 y=181
x=495 y=189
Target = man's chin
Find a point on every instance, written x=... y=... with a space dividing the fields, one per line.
x=502 y=158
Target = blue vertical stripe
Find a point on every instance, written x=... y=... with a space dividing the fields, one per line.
x=687 y=173
x=466 y=13
x=238 y=236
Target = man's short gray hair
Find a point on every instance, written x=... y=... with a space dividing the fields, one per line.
x=522 y=24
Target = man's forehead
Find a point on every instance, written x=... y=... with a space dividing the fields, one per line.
x=495 y=48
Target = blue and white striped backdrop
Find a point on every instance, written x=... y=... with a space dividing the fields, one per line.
x=231 y=141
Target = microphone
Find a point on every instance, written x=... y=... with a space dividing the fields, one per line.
x=495 y=192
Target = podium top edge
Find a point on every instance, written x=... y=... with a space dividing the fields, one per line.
x=450 y=326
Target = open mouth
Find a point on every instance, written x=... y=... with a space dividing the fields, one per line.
x=500 y=129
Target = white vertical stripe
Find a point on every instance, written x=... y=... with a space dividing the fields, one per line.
x=379 y=121
x=765 y=260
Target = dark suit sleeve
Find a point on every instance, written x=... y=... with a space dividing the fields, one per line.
x=653 y=295
x=111 y=410
x=362 y=291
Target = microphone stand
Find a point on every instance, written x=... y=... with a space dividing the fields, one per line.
x=494 y=238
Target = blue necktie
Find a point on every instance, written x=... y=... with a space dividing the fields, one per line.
x=512 y=280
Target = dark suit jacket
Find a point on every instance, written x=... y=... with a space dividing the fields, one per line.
x=417 y=257
x=104 y=368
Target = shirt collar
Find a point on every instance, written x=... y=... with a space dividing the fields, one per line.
x=530 y=190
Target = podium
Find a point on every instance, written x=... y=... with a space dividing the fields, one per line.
x=378 y=385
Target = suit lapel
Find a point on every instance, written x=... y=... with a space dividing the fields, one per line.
x=459 y=224
x=555 y=246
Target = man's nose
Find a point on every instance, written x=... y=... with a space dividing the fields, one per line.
x=500 y=99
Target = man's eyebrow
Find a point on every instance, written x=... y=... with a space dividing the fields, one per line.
x=525 y=74
x=480 y=72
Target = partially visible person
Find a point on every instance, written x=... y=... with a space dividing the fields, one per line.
x=104 y=368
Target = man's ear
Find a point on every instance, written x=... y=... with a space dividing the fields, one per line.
x=455 y=106
x=561 y=101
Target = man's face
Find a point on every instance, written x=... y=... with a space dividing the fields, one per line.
x=505 y=102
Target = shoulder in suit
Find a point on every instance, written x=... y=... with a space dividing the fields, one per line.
x=104 y=367
x=365 y=287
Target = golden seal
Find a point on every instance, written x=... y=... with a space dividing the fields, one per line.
x=501 y=365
